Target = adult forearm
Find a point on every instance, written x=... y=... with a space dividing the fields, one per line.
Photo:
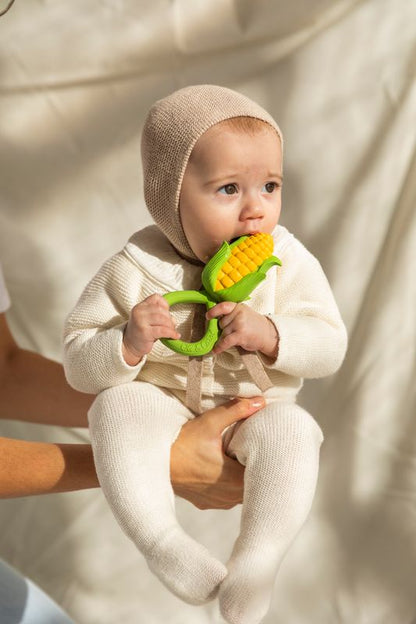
x=32 y=468
x=29 y=468
x=33 y=388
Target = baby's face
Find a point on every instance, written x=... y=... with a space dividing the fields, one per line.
x=231 y=187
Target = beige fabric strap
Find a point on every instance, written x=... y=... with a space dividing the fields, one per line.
x=255 y=369
x=194 y=381
x=251 y=361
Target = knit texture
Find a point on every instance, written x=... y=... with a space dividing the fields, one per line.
x=172 y=127
x=132 y=429
x=297 y=296
x=134 y=424
x=280 y=448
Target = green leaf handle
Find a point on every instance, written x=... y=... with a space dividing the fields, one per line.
x=203 y=346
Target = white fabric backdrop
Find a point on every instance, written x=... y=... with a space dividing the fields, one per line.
x=76 y=80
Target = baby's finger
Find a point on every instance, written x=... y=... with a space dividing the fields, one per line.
x=227 y=321
x=156 y=300
x=162 y=331
x=162 y=318
x=225 y=307
x=144 y=317
x=226 y=342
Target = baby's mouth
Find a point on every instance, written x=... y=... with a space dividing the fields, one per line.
x=238 y=237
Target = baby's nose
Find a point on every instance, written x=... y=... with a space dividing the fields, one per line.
x=252 y=208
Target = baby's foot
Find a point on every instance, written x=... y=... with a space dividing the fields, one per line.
x=186 y=568
x=246 y=592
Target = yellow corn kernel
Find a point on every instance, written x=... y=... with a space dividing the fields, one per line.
x=242 y=245
x=235 y=262
x=245 y=258
x=235 y=276
x=227 y=282
x=243 y=270
x=241 y=256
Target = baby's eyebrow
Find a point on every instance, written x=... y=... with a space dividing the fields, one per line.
x=279 y=176
x=223 y=178
x=232 y=176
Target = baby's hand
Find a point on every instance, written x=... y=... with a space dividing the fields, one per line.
x=244 y=327
x=149 y=320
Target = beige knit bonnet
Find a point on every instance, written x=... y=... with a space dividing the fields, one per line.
x=172 y=127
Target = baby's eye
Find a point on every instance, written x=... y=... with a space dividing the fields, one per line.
x=269 y=187
x=228 y=189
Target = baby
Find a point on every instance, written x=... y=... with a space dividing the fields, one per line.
x=212 y=163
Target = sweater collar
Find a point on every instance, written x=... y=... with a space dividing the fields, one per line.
x=153 y=253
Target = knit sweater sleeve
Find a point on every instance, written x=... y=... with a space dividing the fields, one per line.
x=312 y=335
x=93 y=333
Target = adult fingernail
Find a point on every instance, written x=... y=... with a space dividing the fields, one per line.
x=257 y=403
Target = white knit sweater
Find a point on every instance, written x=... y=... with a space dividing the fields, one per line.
x=297 y=297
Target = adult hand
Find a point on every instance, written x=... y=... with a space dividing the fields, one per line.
x=200 y=471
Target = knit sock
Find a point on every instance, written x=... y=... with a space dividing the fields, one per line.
x=132 y=429
x=280 y=448
x=186 y=567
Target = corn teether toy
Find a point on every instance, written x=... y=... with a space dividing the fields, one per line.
x=231 y=275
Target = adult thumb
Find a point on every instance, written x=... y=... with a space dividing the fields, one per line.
x=219 y=418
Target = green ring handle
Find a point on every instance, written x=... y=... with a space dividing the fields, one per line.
x=203 y=346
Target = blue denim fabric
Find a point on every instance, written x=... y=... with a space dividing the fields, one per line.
x=22 y=602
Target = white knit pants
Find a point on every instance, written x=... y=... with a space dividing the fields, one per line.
x=132 y=429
